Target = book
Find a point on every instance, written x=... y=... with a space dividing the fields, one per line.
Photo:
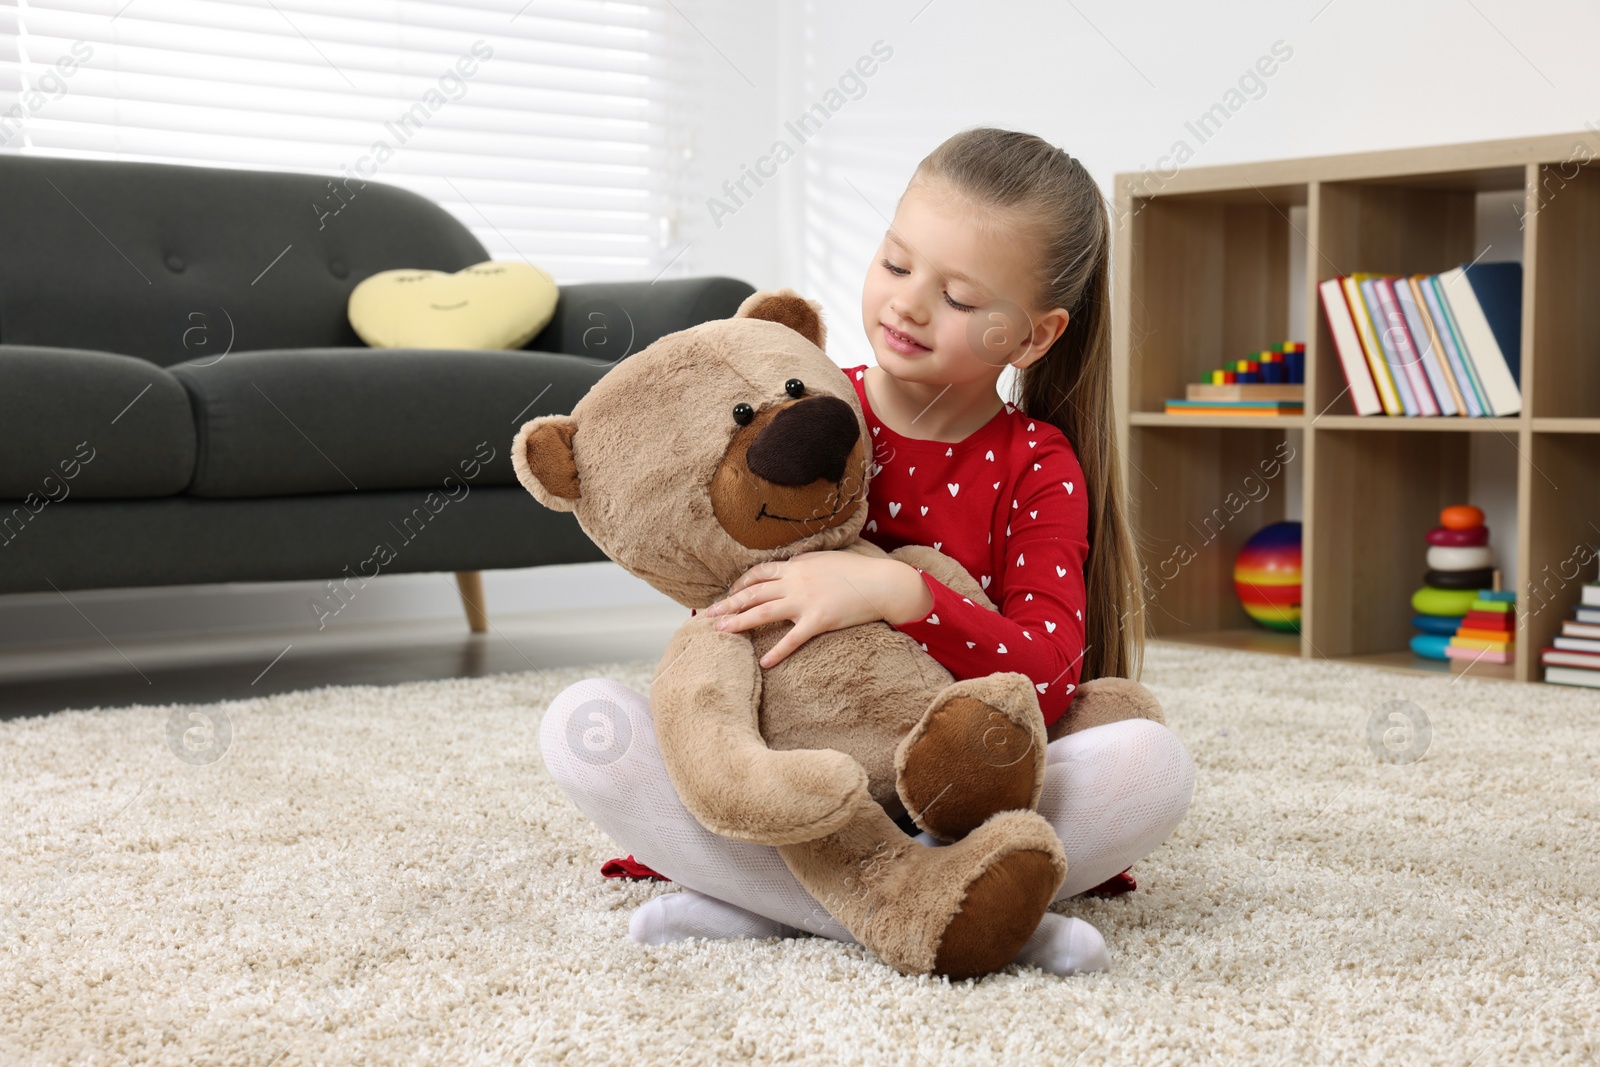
x=1353 y=361
x=1561 y=658
x=1382 y=380
x=1453 y=347
x=1577 y=644
x=1466 y=401
x=1248 y=391
x=1583 y=614
x=1380 y=335
x=1580 y=629
x=1406 y=354
x=1422 y=343
x=1269 y=408
x=1572 y=676
x=1591 y=594
x=1486 y=300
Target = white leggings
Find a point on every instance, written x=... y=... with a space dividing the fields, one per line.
x=1113 y=793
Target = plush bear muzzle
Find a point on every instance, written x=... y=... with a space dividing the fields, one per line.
x=792 y=471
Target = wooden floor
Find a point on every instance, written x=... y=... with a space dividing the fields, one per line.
x=200 y=669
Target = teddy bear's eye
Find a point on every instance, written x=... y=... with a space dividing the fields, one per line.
x=795 y=388
x=743 y=413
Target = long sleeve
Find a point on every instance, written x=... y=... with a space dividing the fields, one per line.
x=1039 y=630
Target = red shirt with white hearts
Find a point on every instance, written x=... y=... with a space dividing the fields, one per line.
x=1006 y=502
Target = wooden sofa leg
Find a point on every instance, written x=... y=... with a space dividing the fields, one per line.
x=470 y=585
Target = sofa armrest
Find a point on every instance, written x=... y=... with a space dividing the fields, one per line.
x=610 y=320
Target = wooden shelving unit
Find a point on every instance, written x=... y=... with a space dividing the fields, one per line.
x=1202 y=273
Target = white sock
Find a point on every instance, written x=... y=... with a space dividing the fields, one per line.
x=1065 y=946
x=676 y=916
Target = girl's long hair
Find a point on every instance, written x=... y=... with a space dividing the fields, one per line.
x=1039 y=187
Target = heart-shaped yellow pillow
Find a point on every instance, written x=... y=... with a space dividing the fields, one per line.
x=494 y=304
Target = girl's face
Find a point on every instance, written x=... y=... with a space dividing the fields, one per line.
x=938 y=291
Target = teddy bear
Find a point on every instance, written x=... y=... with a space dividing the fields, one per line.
x=738 y=441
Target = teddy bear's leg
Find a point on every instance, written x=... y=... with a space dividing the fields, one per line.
x=1106 y=700
x=979 y=749
x=704 y=705
x=960 y=910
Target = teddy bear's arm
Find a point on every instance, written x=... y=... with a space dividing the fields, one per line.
x=705 y=702
x=1099 y=701
x=946 y=570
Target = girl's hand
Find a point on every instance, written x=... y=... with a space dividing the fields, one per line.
x=821 y=591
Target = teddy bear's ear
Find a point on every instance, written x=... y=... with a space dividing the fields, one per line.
x=542 y=455
x=789 y=308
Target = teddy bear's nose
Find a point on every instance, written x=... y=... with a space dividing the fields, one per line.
x=805 y=441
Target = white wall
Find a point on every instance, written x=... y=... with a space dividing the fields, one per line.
x=742 y=62
x=1115 y=84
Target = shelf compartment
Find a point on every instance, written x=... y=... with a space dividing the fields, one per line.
x=1417 y=225
x=1214 y=286
x=1375 y=495
x=1563 y=530
x=1565 y=222
x=1200 y=493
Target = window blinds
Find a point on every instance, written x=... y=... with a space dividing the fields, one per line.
x=553 y=129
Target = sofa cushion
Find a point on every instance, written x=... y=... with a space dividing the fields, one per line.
x=81 y=424
x=493 y=304
x=332 y=420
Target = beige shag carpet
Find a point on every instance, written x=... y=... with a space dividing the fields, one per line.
x=388 y=875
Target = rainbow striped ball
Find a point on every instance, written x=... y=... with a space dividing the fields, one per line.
x=1266 y=575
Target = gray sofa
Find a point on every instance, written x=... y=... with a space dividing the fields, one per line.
x=182 y=399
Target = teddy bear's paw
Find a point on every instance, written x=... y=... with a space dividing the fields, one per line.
x=962 y=909
x=788 y=798
x=1017 y=864
x=978 y=750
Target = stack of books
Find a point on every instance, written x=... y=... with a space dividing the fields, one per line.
x=1268 y=382
x=1574 y=658
x=1488 y=632
x=1430 y=344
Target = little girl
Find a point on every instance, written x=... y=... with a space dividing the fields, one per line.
x=997 y=256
